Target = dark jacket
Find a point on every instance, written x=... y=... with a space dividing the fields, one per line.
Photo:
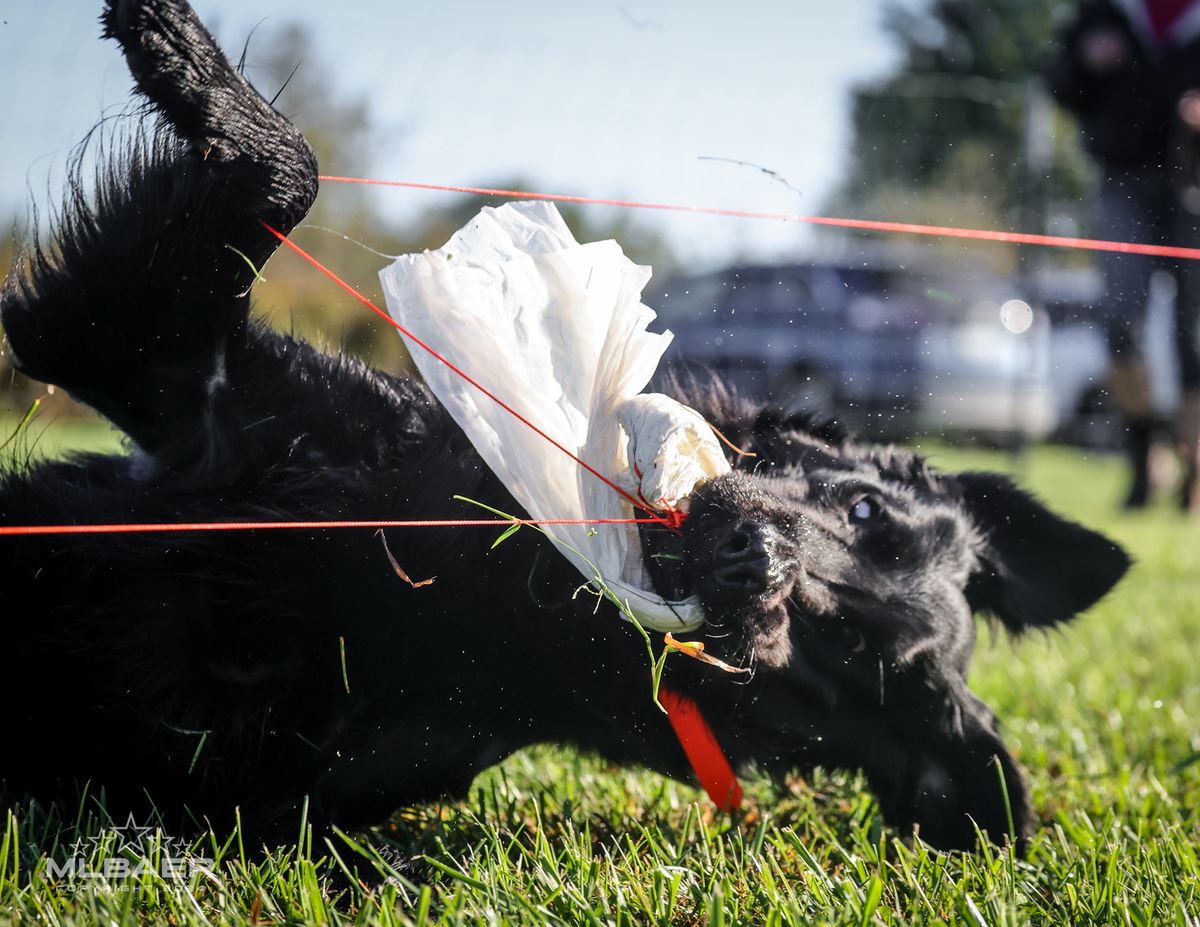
x=1127 y=115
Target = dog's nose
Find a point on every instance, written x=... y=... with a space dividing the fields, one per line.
x=741 y=564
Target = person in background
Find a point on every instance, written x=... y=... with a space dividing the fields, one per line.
x=1129 y=70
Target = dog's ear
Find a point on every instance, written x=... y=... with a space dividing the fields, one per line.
x=1035 y=568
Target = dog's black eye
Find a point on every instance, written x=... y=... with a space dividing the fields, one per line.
x=864 y=510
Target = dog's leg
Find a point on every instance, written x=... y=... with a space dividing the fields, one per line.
x=267 y=165
x=143 y=297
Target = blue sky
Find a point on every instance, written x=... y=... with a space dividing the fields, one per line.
x=623 y=99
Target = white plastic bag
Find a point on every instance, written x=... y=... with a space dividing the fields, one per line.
x=557 y=330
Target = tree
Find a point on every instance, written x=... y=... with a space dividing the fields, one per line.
x=961 y=132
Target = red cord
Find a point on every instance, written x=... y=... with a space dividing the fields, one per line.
x=164 y=527
x=475 y=383
x=874 y=225
x=672 y=518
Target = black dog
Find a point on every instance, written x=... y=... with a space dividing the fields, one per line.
x=218 y=670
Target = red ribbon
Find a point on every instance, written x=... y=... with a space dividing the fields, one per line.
x=702 y=749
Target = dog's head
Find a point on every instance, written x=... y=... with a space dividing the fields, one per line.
x=847 y=576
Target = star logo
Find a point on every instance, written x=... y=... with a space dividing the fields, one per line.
x=132 y=837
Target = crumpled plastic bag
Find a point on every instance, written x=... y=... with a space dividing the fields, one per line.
x=557 y=330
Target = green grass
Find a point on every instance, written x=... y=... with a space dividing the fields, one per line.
x=1105 y=716
x=51 y=433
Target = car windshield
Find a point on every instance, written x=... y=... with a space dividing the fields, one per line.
x=748 y=295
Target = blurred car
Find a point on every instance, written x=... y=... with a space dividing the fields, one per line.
x=802 y=335
x=888 y=349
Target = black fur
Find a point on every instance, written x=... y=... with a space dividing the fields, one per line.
x=206 y=670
